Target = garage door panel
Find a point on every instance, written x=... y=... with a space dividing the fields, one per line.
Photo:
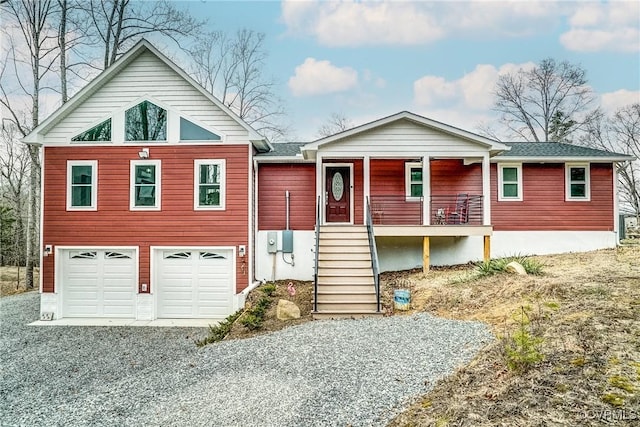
x=194 y=283
x=98 y=283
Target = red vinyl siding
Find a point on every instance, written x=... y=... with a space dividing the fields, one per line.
x=544 y=206
x=386 y=177
x=177 y=224
x=273 y=181
x=451 y=177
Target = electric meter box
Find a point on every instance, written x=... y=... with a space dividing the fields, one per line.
x=287 y=241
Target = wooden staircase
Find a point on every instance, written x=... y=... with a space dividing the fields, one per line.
x=346 y=286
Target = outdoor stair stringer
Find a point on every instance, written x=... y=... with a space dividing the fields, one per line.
x=346 y=286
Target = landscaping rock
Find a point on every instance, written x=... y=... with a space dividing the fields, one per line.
x=287 y=310
x=516 y=268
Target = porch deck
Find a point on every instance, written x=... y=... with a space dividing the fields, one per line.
x=432 y=230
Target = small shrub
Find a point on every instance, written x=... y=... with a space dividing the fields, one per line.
x=218 y=332
x=251 y=321
x=269 y=289
x=499 y=265
x=254 y=316
x=522 y=348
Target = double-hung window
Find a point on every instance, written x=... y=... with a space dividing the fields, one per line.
x=577 y=182
x=209 y=184
x=510 y=182
x=82 y=185
x=145 y=185
x=413 y=181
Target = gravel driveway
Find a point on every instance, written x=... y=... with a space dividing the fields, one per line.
x=323 y=373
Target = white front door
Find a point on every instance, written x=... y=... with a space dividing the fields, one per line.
x=194 y=283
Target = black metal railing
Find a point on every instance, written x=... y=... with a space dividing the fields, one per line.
x=374 y=254
x=396 y=210
x=453 y=209
x=457 y=209
x=317 y=254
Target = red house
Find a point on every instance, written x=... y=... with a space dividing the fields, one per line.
x=159 y=202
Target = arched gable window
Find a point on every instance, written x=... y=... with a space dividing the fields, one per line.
x=145 y=122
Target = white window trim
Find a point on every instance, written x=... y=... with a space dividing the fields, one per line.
x=196 y=184
x=501 y=196
x=407 y=180
x=132 y=187
x=94 y=184
x=567 y=181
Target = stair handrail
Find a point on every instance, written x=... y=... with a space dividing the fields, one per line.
x=374 y=254
x=315 y=271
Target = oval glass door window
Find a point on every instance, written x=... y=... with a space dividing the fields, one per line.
x=337 y=186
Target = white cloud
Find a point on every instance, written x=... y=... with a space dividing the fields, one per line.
x=315 y=77
x=359 y=23
x=612 y=26
x=473 y=91
x=612 y=101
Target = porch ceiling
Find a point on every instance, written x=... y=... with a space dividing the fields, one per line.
x=432 y=230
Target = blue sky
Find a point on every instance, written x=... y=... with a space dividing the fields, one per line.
x=368 y=59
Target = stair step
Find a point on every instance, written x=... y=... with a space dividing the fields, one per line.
x=325 y=315
x=345 y=281
x=369 y=298
x=362 y=249
x=345 y=288
x=347 y=306
x=341 y=256
x=344 y=263
x=345 y=272
x=344 y=242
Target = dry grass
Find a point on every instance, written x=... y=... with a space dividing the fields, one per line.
x=586 y=307
x=12 y=280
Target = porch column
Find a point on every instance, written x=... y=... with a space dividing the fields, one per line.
x=366 y=185
x=426 y=191
x=486 y=190
x=319 y=192
x=487 y=248
x=426 y=254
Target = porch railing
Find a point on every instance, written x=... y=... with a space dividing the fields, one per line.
x=395 y=210
x=315 y=271
x=453 y=209
x=374 y=255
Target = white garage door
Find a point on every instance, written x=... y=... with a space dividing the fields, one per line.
x=194 y=283
x=98 y=283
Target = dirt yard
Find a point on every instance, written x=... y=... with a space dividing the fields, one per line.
x=582 y=316
x=12 y=280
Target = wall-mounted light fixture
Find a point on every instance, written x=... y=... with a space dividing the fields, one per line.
x=144 y=153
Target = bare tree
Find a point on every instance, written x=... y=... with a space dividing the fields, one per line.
x=33 y=20
x=547 y=103
x=117 y=24
x=335 y=123
x=233 y=70
x=15 y=163
x=621 y=133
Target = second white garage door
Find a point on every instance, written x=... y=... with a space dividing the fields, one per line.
x=194 y=283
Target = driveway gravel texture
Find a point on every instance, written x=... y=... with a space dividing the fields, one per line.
x=321 y=373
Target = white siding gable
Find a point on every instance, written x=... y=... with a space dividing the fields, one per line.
x=403 y=138
x=146 y=76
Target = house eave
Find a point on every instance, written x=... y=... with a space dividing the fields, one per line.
x=556 y=159
x=283 y=159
